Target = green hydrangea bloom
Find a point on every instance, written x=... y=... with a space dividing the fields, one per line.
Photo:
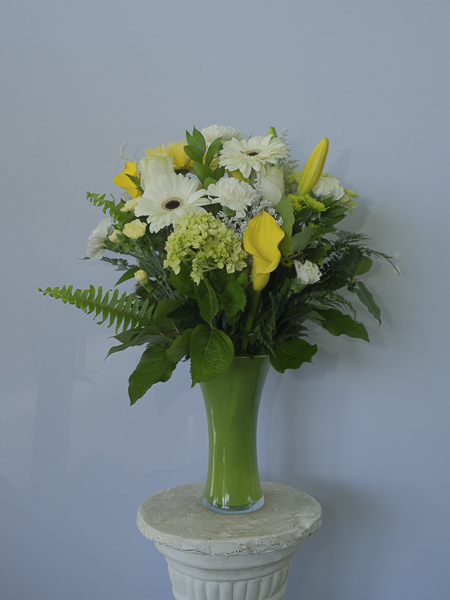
x=206 y=243
x=348 y=200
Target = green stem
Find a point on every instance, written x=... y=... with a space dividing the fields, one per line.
x=251 y=316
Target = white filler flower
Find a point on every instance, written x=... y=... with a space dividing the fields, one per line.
x=96 y=242
x=213 y=132
x=168 y=198
x=328 y=187
x=235 y=195
x=255 y=153
x=307 y=272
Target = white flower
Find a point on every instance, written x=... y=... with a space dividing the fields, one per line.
x=272 y=183
x=168 y=198
x=235 y=195
x=96 y=242
x=213 y=132
x=152 y=167
x=328 y=187
x=255 y=153
x=307 y=272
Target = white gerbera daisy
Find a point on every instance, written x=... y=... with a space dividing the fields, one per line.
x=168 y=198
x=213 y=132
x=96 y=242
x=255 y=153
x=235 y=195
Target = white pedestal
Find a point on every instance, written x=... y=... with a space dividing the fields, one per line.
x=228 y=557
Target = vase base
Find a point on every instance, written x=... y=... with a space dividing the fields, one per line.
x=234 y=510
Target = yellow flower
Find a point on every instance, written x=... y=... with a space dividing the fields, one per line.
x=261 y=239
x=135 y=230
x=181 y=161
x=123 y=181
x=141 y=276
x=113 y=237
x=313 y=168
x=129 y=206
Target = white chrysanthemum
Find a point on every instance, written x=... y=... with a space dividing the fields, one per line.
x=255 y=153
x=235 y=195
x=307 y=272
x=328 y=187
x=213 y=132
x=168 y=198
x=96 y=242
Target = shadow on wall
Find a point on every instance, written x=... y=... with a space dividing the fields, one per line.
x=350 y=545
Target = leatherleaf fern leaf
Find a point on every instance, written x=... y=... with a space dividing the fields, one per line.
x=125 y=311
x=110 y=207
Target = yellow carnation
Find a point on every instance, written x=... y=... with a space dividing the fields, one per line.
x=135 y=230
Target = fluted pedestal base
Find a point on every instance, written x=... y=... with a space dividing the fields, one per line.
x=228 y=557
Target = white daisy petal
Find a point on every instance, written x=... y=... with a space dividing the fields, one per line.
x=255 y=153
x=168 y=198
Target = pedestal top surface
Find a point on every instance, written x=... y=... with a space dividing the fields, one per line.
x=177 y=518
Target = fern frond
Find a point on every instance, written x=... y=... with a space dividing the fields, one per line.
x=125 y=311
x=110 y=207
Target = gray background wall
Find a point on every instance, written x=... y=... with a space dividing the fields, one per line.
x=364 y=429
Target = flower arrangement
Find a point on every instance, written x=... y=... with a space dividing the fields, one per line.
x=234 y=251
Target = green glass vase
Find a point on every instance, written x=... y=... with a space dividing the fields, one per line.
x=232 y=404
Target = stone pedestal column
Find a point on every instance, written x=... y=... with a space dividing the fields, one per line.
x=228 y=557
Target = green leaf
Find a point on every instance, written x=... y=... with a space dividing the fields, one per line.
x=362 y=266
x=291 y=353
x=207 y=301
x=286 y=212
x=180 y=346
x=214 y=148
x=149 y=338
x=301 y=240
x=367 y=299
x=337 y=323
x=166 y=306
x=197 y=139
x=208 y=181
x=212 y=352
x=126 y=276
x=183 y=282
x=154 y=366
x=234 y=298
x=218 y=278
x=194 y=153
x=218 y=173
x=203 y=172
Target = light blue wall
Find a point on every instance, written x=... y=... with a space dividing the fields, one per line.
x=364 y=429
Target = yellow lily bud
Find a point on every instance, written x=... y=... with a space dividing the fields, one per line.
x=313 y=168
x=125 y=182
x=273 y=131
x=261 y=239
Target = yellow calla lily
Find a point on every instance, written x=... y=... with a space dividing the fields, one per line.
x=313 y=168
x=261 y=239
x=125 y=182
